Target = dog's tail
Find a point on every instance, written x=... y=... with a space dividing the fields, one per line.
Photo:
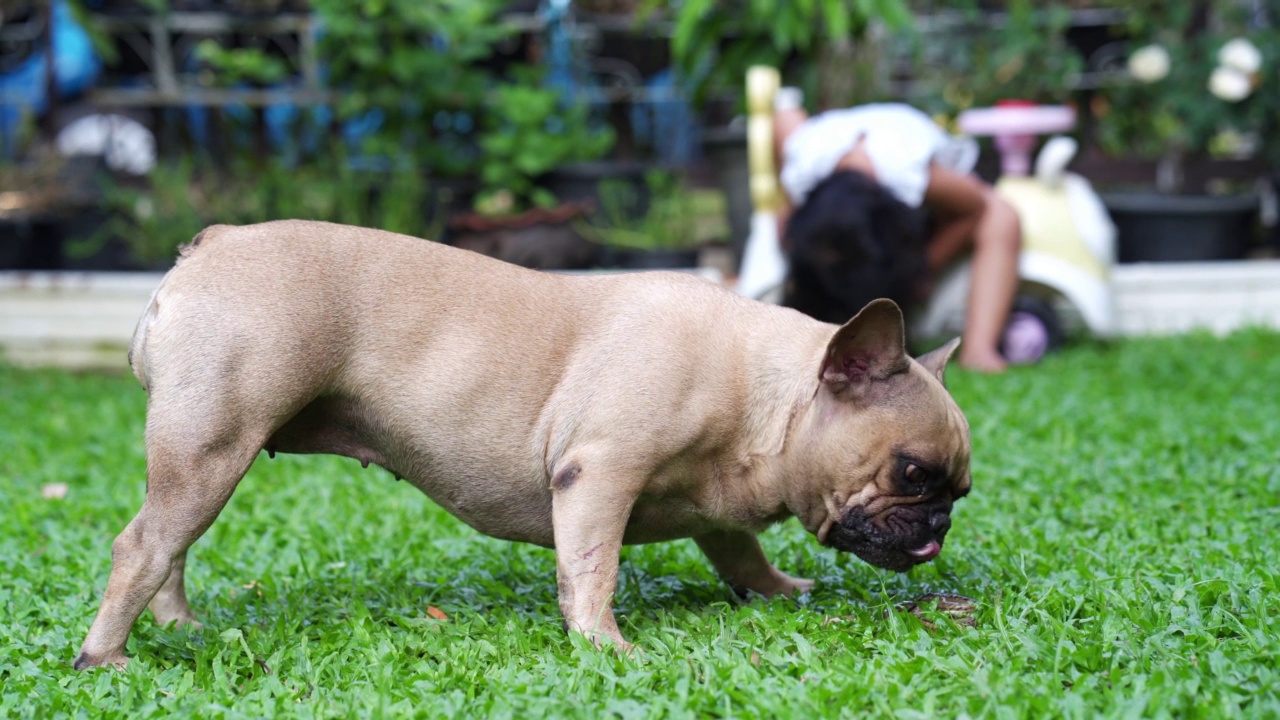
x=206 y=234
x=138 y=345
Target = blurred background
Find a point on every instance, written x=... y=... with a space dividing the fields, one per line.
x=577 y=134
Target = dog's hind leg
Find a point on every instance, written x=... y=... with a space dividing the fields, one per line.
x=740 y=561
x=170 y=603
x=192 y=469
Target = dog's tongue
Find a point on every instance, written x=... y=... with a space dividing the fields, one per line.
x=926 y=552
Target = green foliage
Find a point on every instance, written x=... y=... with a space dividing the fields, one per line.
x=671 y=221
x=233 y=66
x=1120 y=542
x=171 y=209
x=1179 y=113
x=178 y=200
x=421 y=66
x=421 y=74
x=714 y=42
x=418 y=62
x=529 y=131
x=1026 y=57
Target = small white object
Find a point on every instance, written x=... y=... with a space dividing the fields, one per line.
x=1051 y=163
x=1091 y=219
x=1229 y=84
x=1240 y=54
x=53 y=491
x=1150 y=63
x=788 y=98
x=1268 y=203
x=124 y=143
x=1086 y=294
x=764 y=266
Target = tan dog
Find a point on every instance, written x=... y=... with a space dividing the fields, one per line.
x=571 y=412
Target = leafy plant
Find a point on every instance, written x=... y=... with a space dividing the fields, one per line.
x=336 y=191
x=237 y=65
x=975 y=62
x=671 y=222
x=156 y=220
x=715 y=41
x=179 y=199
x=1173 y=110
x=422 y=85
x=416 y=64
x=528 y=131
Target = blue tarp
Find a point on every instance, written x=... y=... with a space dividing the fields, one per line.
x=75 y=68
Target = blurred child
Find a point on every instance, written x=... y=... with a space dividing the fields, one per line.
x=857 y=181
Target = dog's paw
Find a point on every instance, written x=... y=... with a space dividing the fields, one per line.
x=174 y=614
x=189 y=624
x=777 y=583
x=603 y=640
x=84 y=661
x=795 y=586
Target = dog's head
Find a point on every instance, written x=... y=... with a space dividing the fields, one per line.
x=883 y=449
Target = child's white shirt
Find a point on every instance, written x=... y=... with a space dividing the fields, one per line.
x=900 y=140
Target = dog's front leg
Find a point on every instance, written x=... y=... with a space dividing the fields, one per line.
x=589 y=516
x=740 y=561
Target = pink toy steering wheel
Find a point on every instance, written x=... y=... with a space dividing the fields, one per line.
x=1015 y=125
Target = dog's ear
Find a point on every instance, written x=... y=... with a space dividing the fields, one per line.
x=936 y=361
x=871 y=346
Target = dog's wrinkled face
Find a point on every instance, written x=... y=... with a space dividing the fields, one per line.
x=901 y=517
x=887 y=447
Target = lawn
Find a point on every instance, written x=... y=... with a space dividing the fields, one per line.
x=1121 y=544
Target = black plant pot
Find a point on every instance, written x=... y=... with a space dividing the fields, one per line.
x=1273 y=233
x=1155 y=227
x=29 y=244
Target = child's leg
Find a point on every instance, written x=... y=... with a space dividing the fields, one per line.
x=971 y=212
x=997 y=240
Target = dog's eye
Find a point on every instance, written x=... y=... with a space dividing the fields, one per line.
x=915 y=476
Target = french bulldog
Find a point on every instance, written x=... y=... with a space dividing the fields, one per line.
x=578 y=413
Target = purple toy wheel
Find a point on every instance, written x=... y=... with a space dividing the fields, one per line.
x=1026 y=339
x=1033 y=330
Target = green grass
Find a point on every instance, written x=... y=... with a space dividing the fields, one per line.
x=1121 y=543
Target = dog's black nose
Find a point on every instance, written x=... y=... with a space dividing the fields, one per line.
x=940 y=522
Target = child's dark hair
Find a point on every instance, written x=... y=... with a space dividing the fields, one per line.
x=850 y=242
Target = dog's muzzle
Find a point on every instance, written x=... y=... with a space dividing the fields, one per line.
x=898 y=539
